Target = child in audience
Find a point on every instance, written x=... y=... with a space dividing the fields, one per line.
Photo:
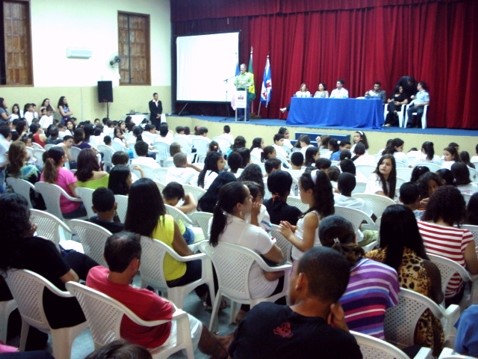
x=410 y=197
x=384 y=178
x=279 y=184
x=104 y=205
x=173 y=193
x=450 y=156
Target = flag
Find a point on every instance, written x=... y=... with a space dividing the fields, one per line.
x=266 y=90
x=252 y=89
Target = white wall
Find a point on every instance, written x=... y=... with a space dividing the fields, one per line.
x=92 y=24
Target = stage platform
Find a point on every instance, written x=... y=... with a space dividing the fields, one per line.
x=266 y=128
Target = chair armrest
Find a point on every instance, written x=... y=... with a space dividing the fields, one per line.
x=187 y=258
x=453 y=313
x=424 y=353
x=267 y=268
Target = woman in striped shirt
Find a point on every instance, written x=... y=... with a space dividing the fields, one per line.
x=446 y=209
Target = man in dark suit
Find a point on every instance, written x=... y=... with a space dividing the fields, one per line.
x=155 y=109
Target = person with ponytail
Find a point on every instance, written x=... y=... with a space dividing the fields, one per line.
x=55 y=173
x=315 y=190
x=373 y=286
x=213 y=164
x=229 y=225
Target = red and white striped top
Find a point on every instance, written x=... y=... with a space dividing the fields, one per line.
x=448 y=242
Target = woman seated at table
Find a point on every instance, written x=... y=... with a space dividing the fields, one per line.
x=321 y=91
x=302 y=93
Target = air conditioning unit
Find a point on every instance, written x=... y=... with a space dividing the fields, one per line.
x=74 y=53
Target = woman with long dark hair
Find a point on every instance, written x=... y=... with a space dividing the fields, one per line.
x=384 y=179
x=88 y=171
x=316 y=191
x=146 y=215
x=402 y=248
x=213 y=164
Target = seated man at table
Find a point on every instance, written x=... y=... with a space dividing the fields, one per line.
x=376 y=92
x=123 y=254
x=340 y=91
x=313 y=323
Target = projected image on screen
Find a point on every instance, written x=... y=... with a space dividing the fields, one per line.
x=206 y=66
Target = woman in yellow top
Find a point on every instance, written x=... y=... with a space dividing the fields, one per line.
x=146 y=215
x=88 y=171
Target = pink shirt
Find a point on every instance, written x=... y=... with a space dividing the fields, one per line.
x=64 y=179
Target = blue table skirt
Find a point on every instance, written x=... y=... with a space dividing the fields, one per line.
x=351 y=112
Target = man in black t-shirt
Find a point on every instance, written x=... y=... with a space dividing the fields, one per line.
x=313 y=326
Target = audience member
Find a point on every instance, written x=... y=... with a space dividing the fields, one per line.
x=88 y=171
x=104 y=205
x=384 y=178
x=346 y=184
x=279 y=184
x=373 y=287
x=314 y=321
x=213 y=165
x=120 y=180
x=208 y=201
x=182 y=172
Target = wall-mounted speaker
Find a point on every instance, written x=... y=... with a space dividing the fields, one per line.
x=105 y=91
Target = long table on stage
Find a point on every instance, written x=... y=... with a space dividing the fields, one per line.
x=350 y=112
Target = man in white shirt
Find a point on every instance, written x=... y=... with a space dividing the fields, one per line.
x=279 y=147
x=182 y=172
x=346 y=184
x=340 y=91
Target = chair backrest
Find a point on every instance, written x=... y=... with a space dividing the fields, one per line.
x=202 y=147
x=38 y=154
x=281 y=241
x=401 y=320
x=50 y=226
x=151 y=266
x=375 y=202
x=447 y=269
x=51 y=194
x=196 y=191
x=37 y=146
x=103 y=313
x=121 y=206
x=74 y=152
x=374 y=348
x=162 y=153
x=473 y=229
x=232 y=264
x=21 y=186
x=107 y=152
x=359 y=187
x=433 y=167
x=357 y=217
x=178 y=215
x=449 y=353
x=86 y=195
x=202 y=219
x=296 y=202
x=404 y=172
x=27 y=289
x=92 y=237
x=224 y=144
x=365 y=170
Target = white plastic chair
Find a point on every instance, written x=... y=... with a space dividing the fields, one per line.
x=365 y=170
x=38 y=155
x=473 y=229
x=121 y=206
x=424 y=115
x=162 y=153
x=107 y=152
x=37 y=146
x=297 y=202
x=51 y=194
x=177 y=214
x=93 y=238
x=449 y=353
x=447 y=269
x=401 y=320
x=374 y=348
x=152 y=271
x=27 y=288
x=50 y=226
x=359 y=187
x=282 y=242
x=233 y=264
x=21 y=186
x=6 y=308
x=224 y=144
x=86 y=195
x=105 y=314
x=356 y=217
x=202 y=219
x=433 y=167
x=375 y=202
x=404 y=172
x=196 y=191
x=202 y=147
x=74 y=152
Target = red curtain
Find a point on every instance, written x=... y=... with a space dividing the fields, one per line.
x=433 y=41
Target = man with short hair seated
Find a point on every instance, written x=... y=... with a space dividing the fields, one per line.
x=182 y=172
x=104 y=205
x=312 y=326
x=123 y=255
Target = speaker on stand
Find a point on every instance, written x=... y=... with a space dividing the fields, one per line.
x=105 y=94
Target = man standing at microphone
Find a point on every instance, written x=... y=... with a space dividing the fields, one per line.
x=242 y=82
